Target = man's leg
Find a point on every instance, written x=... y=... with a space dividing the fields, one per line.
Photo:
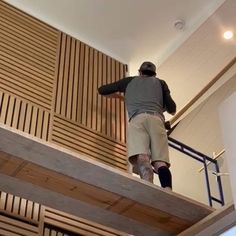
x=145 y=167
x=164 y=174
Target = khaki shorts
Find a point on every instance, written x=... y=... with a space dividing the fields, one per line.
x=147 y=135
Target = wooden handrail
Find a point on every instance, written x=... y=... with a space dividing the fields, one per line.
x=203 y=91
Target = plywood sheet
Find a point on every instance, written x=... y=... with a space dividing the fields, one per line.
x=136 y=203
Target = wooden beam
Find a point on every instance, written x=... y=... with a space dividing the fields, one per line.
x=209 y=220
x=98 y=192
x=203 y=91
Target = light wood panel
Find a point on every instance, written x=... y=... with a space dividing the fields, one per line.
x=209 y=220
x=27 y=56
x=78 y=225
x=13 y=227
x=82 y=69
x=20 y=208
x=21 y=115
x=44 y=71
x=83 y=140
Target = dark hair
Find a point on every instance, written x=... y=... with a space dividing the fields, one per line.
x=148 y=68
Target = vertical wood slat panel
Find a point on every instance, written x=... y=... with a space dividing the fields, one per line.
x=71 y=80
x=95 y=86
x=20 y=206
x=106 y=109
x=113 y=115
x=90 y=92
x=85 y=87
x=24 y=116
x=81 y=74
x=60 y=74
x=99 y=102
x=76 y=81
x=105 y=101
x=82 y=70
x=123 y=110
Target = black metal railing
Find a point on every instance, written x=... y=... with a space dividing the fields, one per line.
x=203 y=159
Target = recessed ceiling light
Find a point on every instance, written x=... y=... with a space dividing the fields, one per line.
x=228 y=34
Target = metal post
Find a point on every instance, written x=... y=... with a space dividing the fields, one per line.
x=218 y=178
x=207 y=182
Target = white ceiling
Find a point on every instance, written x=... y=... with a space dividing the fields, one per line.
x=137 y=30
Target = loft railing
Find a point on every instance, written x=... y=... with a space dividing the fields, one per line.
x=203 y=159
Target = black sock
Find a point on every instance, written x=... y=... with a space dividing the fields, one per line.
x=165 y=177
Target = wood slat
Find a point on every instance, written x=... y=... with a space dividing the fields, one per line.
x=75 y=128
x=19 y=30
x=14 y=227
x=22 y=55
x=28 y=19
x=78 y=225
x=21 y=43
x=24 y=116
x=9 y=19
x=28 y=76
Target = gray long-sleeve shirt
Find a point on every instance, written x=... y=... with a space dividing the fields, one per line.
x=142 y=94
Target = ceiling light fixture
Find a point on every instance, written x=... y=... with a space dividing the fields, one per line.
x=179 y=24
x=228 y=34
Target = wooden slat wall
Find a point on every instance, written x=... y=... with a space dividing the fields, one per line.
x=77 y=225
x=16 y=206
x=79 y=138
x=19 y=216
x=27 y=56
x=48 y=88
x=13 y=227
x=81 y=70
x=24 y=116
x=47 y=76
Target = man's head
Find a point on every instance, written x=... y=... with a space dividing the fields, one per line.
x=147 y=68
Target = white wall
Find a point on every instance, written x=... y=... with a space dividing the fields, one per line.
x=227 y=113
x=200 y=129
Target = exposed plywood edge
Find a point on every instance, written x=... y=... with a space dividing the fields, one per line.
x=209 y=220
x=114 y=192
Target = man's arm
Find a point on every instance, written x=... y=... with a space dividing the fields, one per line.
x=168 y=102
x=112 y=89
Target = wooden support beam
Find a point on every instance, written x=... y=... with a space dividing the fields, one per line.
x=70 y=182
x=214 y=217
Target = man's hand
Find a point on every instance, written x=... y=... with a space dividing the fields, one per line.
x=115 y=95
x=167 y=125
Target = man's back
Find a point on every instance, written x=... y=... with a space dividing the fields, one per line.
x=144 y=94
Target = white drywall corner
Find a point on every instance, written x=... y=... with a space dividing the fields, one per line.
x=227 y=113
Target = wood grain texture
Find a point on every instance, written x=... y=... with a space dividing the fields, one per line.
x=24 y=116
x=27 y=56
x=82 y=69
x=108 y=189
x=209 y=220
x=79 y=138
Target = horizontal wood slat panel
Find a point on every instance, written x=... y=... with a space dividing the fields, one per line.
x=24 y=116
x=10 y=227
x=78 y=225
x=81 y=70
x=81 y=139
x=27 y=19
x=27 y=56
x=14 y=23
x=21 y=43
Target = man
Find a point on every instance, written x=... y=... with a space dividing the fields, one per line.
x=146 y=98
